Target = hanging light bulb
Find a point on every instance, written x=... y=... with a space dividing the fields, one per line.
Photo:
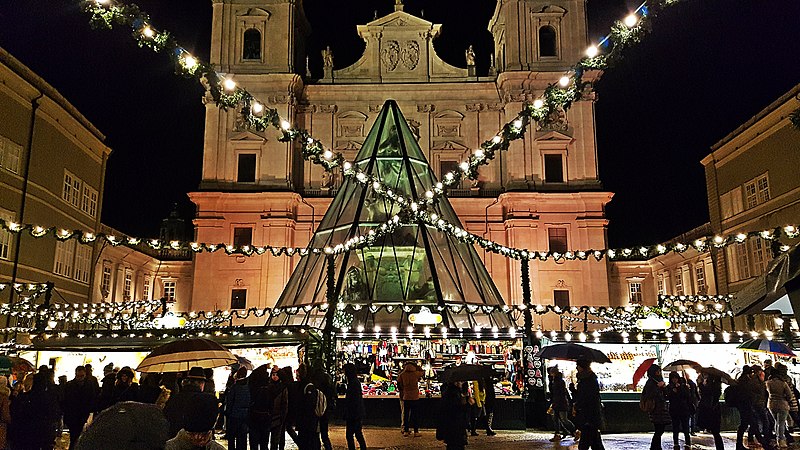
x=229 y=84
x=631 y=20
x=257 y=108
x=285 y=125
x=592 y=51
x=538 y=103
x=148 y=32
x=563 y=81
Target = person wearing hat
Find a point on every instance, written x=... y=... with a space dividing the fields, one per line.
x=179 y=405
x=125 y=389
x=198 y=429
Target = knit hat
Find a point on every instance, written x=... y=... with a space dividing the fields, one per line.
x=126 y=426
x=201 y=414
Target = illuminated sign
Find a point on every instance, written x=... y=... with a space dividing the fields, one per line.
x=425 y=317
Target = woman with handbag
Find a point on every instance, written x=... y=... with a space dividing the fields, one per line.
x=559 y=398
x=654 y=403
x=680 y=409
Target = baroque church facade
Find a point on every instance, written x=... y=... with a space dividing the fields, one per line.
x=544 y=193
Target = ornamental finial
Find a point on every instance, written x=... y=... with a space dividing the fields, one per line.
x=398 y=5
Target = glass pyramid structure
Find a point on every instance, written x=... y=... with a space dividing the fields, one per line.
x=414 y=265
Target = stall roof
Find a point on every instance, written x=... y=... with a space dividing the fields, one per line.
x=781 y=279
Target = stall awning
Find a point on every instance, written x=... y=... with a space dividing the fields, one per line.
x=777 y=289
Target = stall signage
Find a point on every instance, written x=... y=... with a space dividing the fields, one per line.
x=425 y=317
x=534 y=370
x=653 y=322
x=630 y=356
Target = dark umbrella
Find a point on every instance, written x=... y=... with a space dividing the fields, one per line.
x=466 y=372
x=767 y=346
x=241 y=361
x=641 y=370
x=679 y=365
x=573 y=352
x=182 y=355
x=714 y=372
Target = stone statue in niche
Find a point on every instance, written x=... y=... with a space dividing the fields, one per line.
x=326 y=180
x=390 y=55
x=354 y=290
x=470 y=56
x=410 y=55
x=327 y=57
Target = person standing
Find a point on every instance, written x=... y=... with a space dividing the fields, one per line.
x=179 y=405
x=79 y=398
x=680 y=408
x=694 y=397
x=237 y=408
x=353 y=409
x=282 y=379
x=106 y=387
x=5 y=411
x=780 y=396
x=490 y=401
x=708 y=410
x=453 y=417
x=761 y=416
x=197 y=432
x=322 y=381
x=655 y=404
x=292 y=412
x=307 y=419
x=587 y=406
x=34 y=416
x=125 y=389
x=559 y=398
x=260 y=407
x=477 y=407
x=408 y=384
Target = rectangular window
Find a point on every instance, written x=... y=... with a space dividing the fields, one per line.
x=89 y=204
x=679 y=282
x=146 y=291
x=447 y=166
x=105 y=281
x=756 y=191
x=67 y=194
x=561 y=298
x=242 y=236
x=83 y=258
x=127 y=285
x=246 y=171
x=169 y=290
x=660 y=285
x=5 y=237
x=76 y=192
x=557 y=238
x=762 y=255
x=635 y=290
x=11 y=155
x=65 y=256
x=238 y=298
x=700 y=278
x=553 y=169
x=742 y=260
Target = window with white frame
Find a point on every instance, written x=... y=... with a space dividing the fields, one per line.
x=146 y=294
x=65 y=258
x=169 y=290
x=83 y=262
x=89 y=204
x=635 y=290
x=679 y=282
x=5 y=235
x=700 y=278
x=79 y=194
x=660 y=284
x=742 y=260
x=127 y=286
x=10 y=153
x=756 y=191
x=731 y=203
x=762 y=255
x=105 y=281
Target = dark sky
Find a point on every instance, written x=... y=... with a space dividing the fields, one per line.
x=708 y=66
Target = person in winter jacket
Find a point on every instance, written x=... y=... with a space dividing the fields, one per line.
x=489 y=405
x=780 y=396
x=125 y=389
x=179 y=406
x=197 y=432
x=260 y=417
x=680 y=409
x=559 y=401
x=453 y=417
x=35 y=416
x=761 y=415
x=237 y=409
x=708 y=409
x=653 y=394
x=282 y=379
x=324 y=384
x=587 y=407
x=408 y=384
x=307 y=420
x=476 y=409
x=782 y=372
x=5 y=411
x=353 y=409
x=79 y=398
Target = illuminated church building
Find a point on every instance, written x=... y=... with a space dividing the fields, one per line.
x=542 y=194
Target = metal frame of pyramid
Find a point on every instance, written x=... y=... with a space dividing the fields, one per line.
x=414 y=266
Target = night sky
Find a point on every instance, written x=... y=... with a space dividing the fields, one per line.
x=708 y=66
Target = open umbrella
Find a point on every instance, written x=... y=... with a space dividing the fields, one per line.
x=641 y=370
x=241 y=361
x=466 y=372
x=767 y=346
x=680 y=365
x=573 y=352
x=714 y=372
x=181 y=355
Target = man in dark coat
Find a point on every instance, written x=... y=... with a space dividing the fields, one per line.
x=179 y=405
x=106 y=387
x=307 y=420
x=323 y=382
x=588 y=410
x=453 y=417
x=654 y=395
x=353 y=409
x=35 y=415
x=80 y=395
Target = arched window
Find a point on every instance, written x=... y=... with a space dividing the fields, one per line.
x=252 y=44
x=547 y=41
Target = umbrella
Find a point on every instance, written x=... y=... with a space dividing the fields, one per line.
x=714 y=372
x=181 y=355
x=17 y=364
x=642 y=369
x=241 y=361
x=466 y=372
x=767 y=346
x=679 y=365
x=573 y=352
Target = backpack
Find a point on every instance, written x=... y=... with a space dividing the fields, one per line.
x=732 y=396
x=647 y=403
x=320 y=402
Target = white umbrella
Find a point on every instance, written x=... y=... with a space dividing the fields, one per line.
x=182 y=355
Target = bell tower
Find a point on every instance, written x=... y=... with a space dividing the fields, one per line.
x=538 y=35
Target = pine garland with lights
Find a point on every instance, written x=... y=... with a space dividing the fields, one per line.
x=794 y=118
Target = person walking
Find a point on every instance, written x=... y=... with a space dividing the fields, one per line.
x=453 y=417
x=680 y=408
x=260 y=416
x=694 y=397
x=587 y=407
x=34 y=416
x=237 y=410
x=489 y=405
x=782 y=371
x=322 y=381
x=708 y=409
x=765 y=424
x=408 y=384
x=780 y=396
x=654 y=403
x=353 y=409
x=559 y=401
x=292 y=412
x=79 y=398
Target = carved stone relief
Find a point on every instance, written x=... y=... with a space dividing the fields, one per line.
x=393 y=55
x=390 y=55
x=426 y=108
x=410 y=55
